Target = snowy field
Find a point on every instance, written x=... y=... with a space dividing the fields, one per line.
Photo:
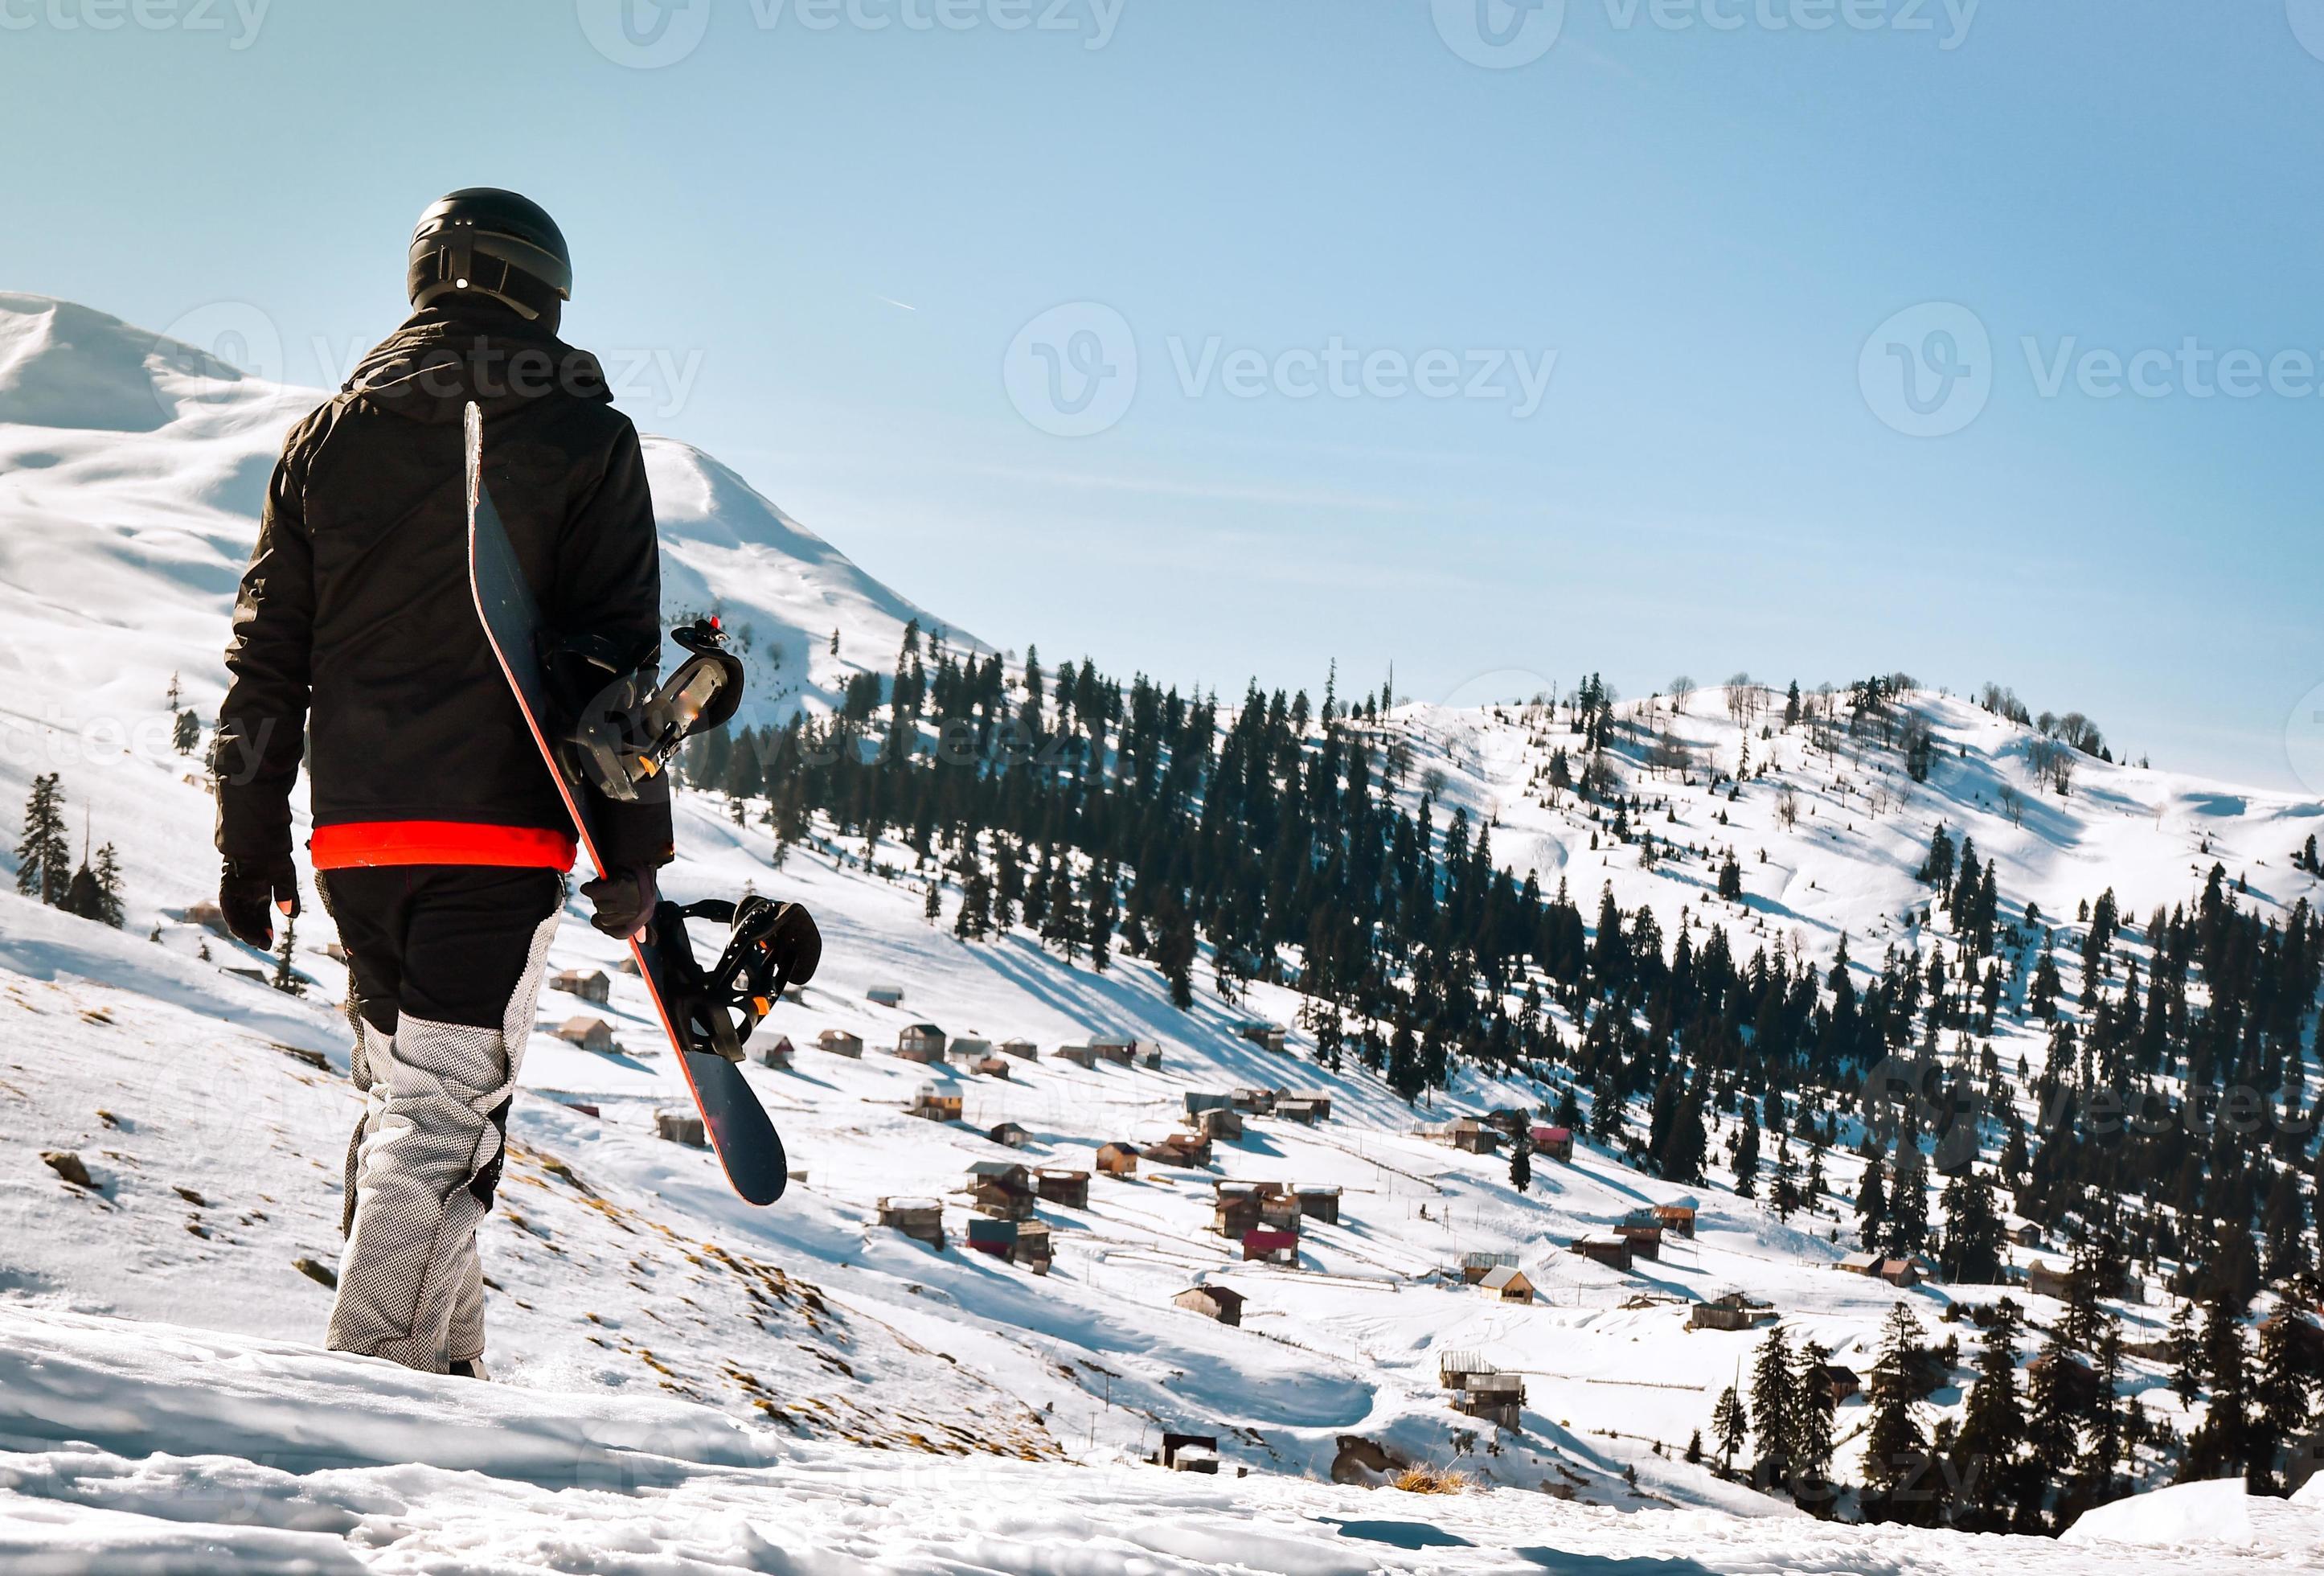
x=692 y=1384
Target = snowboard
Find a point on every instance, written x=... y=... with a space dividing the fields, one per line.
x=738 y=1126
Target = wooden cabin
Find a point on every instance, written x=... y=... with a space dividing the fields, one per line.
x=779 y=1055
x=1201 y=1100
x=885 y=996
x=1839 y=1382
x=1002 y=1189
x=1613 y=1252
x=1022 y=1049
x=921 y=1220
x=588 y=1033
x=1476 y=1266
x=1646 y=1241
x=1148 y=1055
x=591 y=985
x=1860 y=1264
x=996 y=1236
x=2023 y=1233
x=1556 y=1143
x=967 y=1049
x=936 y=1104
x=840 y=1043
x=1081 y=1056
x=1190 y=1453
x=1271 y=1246
x=1319 y=1203
x=1507 y=1283
x=1321 y=1100
x=1058 y=1185
x=1279 y=1210
x=1678 y=1217
x=1253 y=1102
x=1303 y=1112
x=1181 y=1149
x=1220 y=1126
x=1493 y=1397
x=1732 y=1312
x=1234 y=1211
x=1117 y=1160
x=1470 y=1134
x=681 y=1128
x=1119 y=1051
x=1010 y=1135
x=1222 y=1303
x=1033 y=1250
x=993 y=1066
x=1900 y=1272
x=1267 y=1037
x=921 y=1042
x=2045 y=1280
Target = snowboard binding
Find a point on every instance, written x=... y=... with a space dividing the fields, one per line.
x=770 y=946
x=623 y=730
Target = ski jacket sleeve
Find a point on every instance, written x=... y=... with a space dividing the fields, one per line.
x=262 y=722
x=609 y=582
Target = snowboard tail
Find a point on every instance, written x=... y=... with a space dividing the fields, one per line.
x=740 y=1131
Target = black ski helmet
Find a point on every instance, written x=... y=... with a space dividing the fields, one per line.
x=494 y=242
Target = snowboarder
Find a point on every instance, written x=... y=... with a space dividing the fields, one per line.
x=440 y=845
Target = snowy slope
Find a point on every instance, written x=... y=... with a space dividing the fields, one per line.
x=150 y=1447
x=631 y=1289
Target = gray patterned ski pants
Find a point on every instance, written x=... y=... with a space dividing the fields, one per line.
x=426 y=1156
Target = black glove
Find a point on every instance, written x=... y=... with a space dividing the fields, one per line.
x=246 y=887
x=623 y=901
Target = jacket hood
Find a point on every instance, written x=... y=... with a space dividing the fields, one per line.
x=429 y=369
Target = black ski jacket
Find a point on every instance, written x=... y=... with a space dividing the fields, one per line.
x=356 y=640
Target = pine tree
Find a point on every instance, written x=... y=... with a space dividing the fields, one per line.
x=1730 y=1425
x=1871 y=1206
x=286 y=970
x=1747 y=1154
x=1521 y=1164
x=1993 y=1428
x=2282 y=1409
x=1973 y=1238
x=186 y=733
x=45 y=856
x=1811 y=1442
x=932 y=908
x=2051 y=1413
x=1775 y=1403
x=1906 y=1232
x=1895 y=1448
x=1730 y=878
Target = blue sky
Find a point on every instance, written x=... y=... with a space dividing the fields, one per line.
x=834 y=253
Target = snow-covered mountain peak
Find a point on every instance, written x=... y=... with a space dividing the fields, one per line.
x=67 y=366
